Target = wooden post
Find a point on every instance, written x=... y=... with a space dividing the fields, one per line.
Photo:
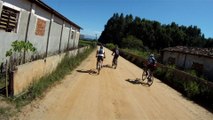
x=6 y=87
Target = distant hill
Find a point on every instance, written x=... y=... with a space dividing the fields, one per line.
x=87 y=37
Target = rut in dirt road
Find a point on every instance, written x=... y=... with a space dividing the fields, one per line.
x=112 y=95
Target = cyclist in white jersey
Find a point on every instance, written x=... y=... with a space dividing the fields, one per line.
x=100 y=55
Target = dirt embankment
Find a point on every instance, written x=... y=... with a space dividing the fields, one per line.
x=112 y=95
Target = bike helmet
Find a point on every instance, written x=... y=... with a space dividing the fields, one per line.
x=151 y=55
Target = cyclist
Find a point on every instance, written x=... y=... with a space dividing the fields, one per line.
x=100 y=54
x=116 y=55
x=151 y=65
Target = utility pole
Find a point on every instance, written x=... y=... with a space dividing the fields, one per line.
x=96 y=37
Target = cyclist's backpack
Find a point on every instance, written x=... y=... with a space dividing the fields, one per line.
x=116 y=52
x=152 y=61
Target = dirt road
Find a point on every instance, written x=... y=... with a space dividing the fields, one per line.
x=112 y=95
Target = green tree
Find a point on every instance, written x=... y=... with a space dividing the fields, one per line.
x=151 y=33
x=132 y=42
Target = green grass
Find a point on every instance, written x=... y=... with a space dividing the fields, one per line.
x=141 y=53
x=87 y=42
x=5 y=113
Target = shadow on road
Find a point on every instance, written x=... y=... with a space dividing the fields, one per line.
x=107 y=66
x=137 y=81
x=91 y=71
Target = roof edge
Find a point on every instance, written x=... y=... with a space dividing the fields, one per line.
x=51 y=10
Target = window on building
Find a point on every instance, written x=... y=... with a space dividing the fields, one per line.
x=171 y=61
x=40 y=27
x=72 y=36
x=198 y=68
x=9 y=19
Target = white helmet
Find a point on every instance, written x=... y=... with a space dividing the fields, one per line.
x=151 y=55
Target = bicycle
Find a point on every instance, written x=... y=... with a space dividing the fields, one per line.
x=148 y=75
x=99 y=66
x=114 y=63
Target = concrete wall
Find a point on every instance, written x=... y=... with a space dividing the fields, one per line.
x=28 y=73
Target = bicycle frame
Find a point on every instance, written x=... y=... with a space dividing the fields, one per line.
x=148 y=75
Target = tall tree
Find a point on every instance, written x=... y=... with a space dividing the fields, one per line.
x=151 y=33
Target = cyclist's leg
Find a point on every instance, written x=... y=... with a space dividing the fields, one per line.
x=150 y=73
x=97 y=63
x=98 y=60
x=113 y=61
x=101 y=59
x=116 y=60
x=146 y=69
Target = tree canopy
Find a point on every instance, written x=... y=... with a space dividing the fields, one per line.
x=123 y=30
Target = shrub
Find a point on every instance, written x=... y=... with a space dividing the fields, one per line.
x=132 y=42
x=191 y=88
x=160 y=72
x=110 y=46
x=87 y=42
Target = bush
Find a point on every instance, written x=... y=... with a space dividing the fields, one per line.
x=87 y=42
x=160 y=72
x=191 y=88
x=132 y=42
x=110 y=46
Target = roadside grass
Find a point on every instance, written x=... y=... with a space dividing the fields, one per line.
x=83 y=43
x=141 y=53
x=5 y=113
x=38 y=89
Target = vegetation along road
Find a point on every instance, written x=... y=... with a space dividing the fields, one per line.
x=112 y=95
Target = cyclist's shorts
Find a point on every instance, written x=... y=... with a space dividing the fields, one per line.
x=151 y=67
x=116 y=56
x=100 y=58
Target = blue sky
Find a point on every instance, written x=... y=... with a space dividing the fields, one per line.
x=92 y=15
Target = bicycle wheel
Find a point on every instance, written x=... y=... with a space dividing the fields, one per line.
x=150 y=82
x=144 y=76
x=99 y=67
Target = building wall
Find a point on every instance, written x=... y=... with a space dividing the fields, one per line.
x=65 y=37
x=7 y=38
x=187 y=60
x=77 y=39
x=39 y=41
x=207 y=63
x=179 y=58
x=54 y=41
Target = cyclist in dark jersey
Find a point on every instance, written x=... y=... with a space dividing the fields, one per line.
x=116 y=54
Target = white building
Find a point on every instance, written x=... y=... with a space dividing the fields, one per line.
x=199 y=59
x=34 y=21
